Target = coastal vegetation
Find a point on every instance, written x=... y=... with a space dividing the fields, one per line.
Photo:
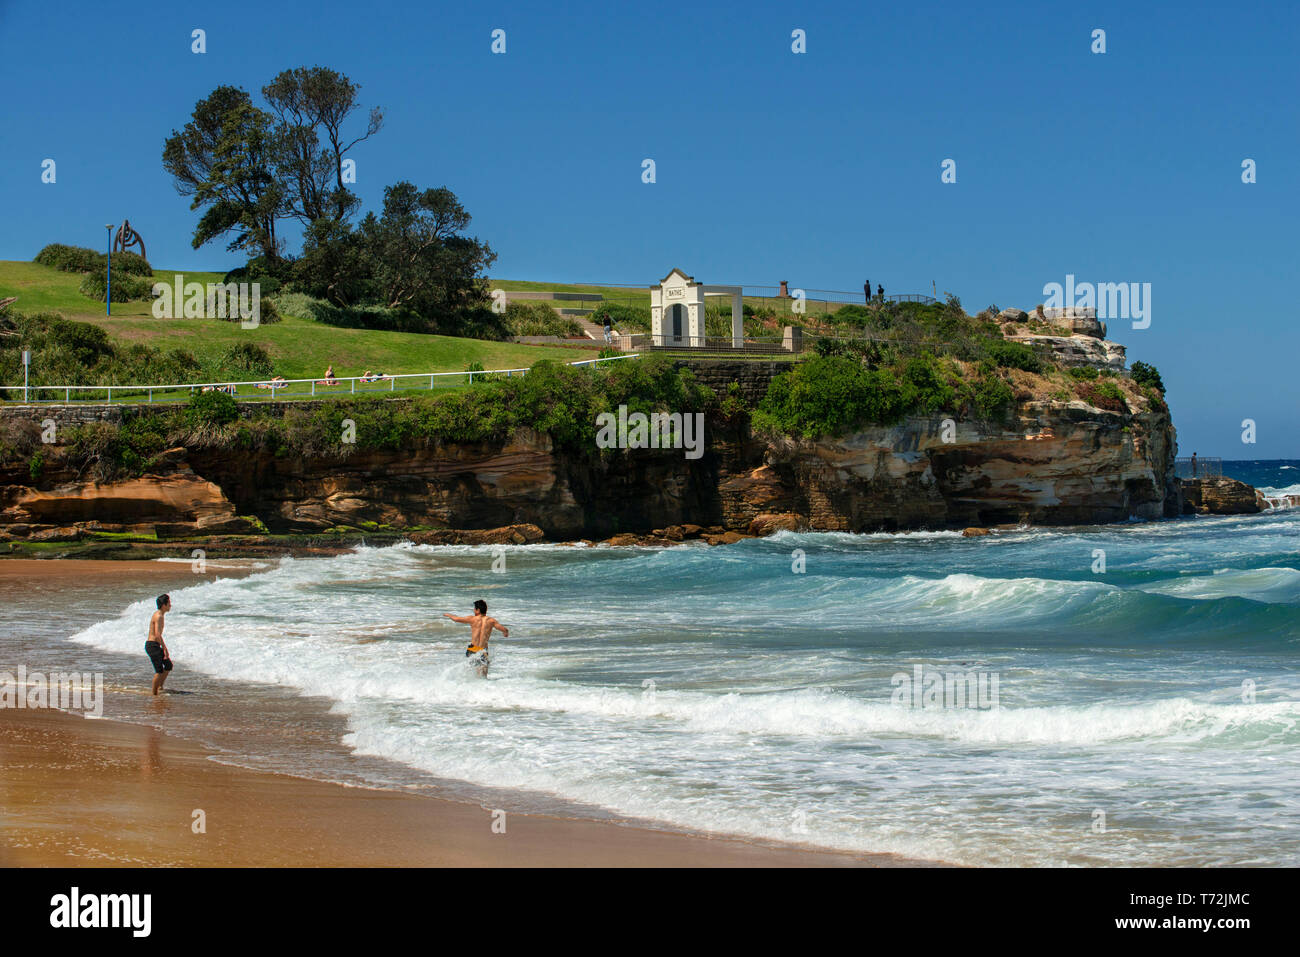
x=554 y=399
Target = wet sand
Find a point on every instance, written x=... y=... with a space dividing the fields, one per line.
x=81 y=792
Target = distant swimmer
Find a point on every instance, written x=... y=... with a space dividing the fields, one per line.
x=155 y=647
x=480 y=628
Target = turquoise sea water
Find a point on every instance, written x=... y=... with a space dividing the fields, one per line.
x=1147 y=713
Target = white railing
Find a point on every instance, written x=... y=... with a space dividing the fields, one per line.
x=294 y=388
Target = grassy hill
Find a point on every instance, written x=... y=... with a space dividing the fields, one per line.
x=300 y=348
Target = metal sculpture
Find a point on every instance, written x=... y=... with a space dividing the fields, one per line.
x=126 y=238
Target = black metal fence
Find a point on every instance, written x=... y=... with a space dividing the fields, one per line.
x=1198 y=467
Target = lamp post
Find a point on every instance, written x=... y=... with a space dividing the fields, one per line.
x=108 y=297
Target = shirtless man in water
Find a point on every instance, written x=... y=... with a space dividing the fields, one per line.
x=480 y=629
x=155 y=647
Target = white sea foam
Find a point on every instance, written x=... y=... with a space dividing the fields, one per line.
x=565 y=712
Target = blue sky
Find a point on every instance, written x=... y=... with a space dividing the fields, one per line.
x=821 y=168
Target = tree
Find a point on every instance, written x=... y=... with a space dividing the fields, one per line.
x=333 y=264
x=419 y=260
x=309 y=101
x=223 y=158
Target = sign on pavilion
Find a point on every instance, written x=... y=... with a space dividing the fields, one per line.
x=677 y=311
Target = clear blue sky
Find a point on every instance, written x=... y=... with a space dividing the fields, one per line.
x=822 y=169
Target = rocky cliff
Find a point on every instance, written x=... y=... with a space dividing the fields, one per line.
x=1051 y=462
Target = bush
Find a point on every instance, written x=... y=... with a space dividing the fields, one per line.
x=249 y=358
x=268 y=313
x=850 y=315
x=126 y=288
x=297 y=304
x=538 y=319
x=210 y=410
x=1102 y=395
x=70 y=258
x=1147 y=375
x=1083 y=373
x=1014 y=355
x=133 y=264
x=829 y=395
x=80 y=259
x=993 y=397
x=929 y=384
x=369 y=317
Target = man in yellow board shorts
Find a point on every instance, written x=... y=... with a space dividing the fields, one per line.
x=480 y=628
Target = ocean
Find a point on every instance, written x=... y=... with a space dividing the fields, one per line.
x=1134 y=697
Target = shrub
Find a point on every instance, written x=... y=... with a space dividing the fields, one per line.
x=1014 y=355
x=267 y=312
x=297 y=304
x=80 y=259
x=538 y=319
x=993 y=396
x=247 y=357
x=133 y=264
x=369 y=317
x=126 y=288
x=850 y=315
x=1146 y=375
x=929 y=384
x=70 y=258
x=829 y=395
x=1102 y=395
x=1084 y=373
x=210 y=409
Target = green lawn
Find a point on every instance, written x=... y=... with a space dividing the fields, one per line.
x=301 y=348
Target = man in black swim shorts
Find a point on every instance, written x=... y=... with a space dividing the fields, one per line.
x=155 y=647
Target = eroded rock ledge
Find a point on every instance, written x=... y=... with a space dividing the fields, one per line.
x=1049 y=463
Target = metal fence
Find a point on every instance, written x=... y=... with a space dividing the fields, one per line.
x=1198 y=468
x=804 y=341
x=276 y=388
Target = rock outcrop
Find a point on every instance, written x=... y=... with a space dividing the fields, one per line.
x=1220 y=496
x=1050 y=462
x=1054 y=464
x=1078 y=350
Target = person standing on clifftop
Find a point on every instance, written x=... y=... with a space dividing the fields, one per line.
x=1193 y=465
x=866 y=291
x=880 y=291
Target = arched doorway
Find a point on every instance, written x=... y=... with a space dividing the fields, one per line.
x=677 y=315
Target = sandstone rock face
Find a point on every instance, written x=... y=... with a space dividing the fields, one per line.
x=1079 y=350
x=176 y=496
x=769 y=523
x=1220 y=496
x=1049 y=463
x=1053 y=464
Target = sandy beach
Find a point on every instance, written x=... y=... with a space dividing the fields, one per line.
x=80 y=792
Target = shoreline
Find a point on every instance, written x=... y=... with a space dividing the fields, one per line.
x=106 y=793
x=114 y=792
